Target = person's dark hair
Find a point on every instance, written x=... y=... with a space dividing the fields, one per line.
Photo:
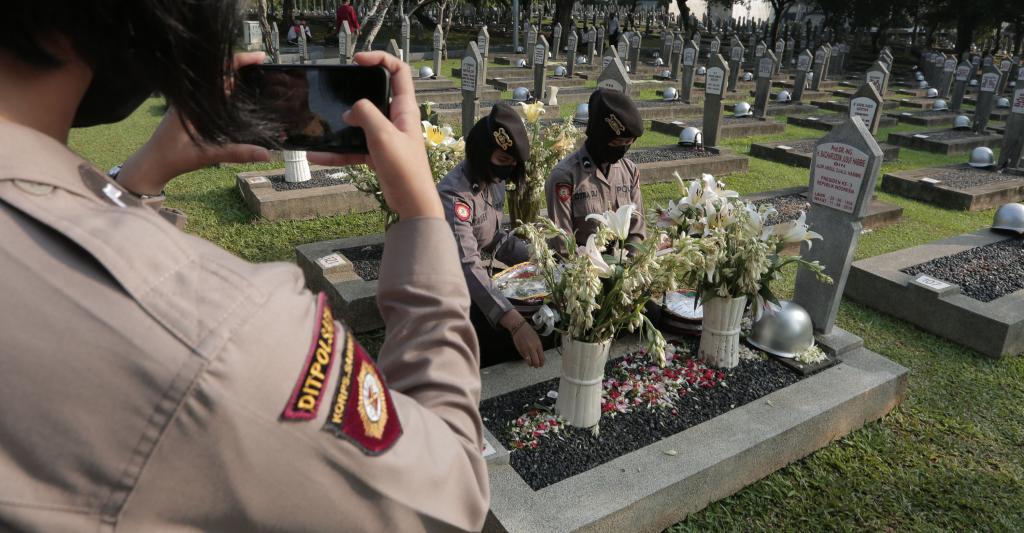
x=180 y=48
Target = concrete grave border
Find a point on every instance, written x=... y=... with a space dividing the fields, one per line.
x=912 y=140
x=297 y=204
x=880 y=214
x=994 y=328
x=844 y=107
x=724 y=162
x=781 y=152
x=776 y=108
x=730 y=129
x=351 y=298
x=918 y=185
x=827 y=122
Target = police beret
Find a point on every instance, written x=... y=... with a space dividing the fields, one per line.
x=613 y=114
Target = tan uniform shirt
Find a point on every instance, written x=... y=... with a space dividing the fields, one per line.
x=578 y=188
x=475 y=216
x=151 y=381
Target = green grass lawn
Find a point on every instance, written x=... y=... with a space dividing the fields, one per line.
x=951 y=457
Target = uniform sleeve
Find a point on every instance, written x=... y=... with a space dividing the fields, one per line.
x=493 y=304
x=292 y=427
x=638 y=230
x=559 y=189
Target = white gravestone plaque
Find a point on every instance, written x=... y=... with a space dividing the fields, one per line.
x=963 y=72
x=609 y=83
x=1017 y=105
x=765 y=67
x=468 y=74
x=876 y=78
x=538 y=54
x=605 y=61
x=863 y=108
x=330 y=261
x=715 y=80
x=819 y=56
x=689 y=55
x=949 y=65
x=989 y=82
x=437 y=40
x=931 y=282
x=839 y=171
x=736 y=54
x=803 y=63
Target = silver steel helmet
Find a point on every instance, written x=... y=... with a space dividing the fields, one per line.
x=974 y=82
x=658 y=62
x=922 y=84
x=982 y=157
x=656 y=54
x=784 y=96
x=1013 y=83
x=1003 y=103
x=670 y=94
x=520 y=94
x=702 y=70
x=426 y=72
x=560 y=71
x=581 y=60
x=519 y=49
x=932 y=93
x=810 y=76
x=919 y=76
x=742 y=109
x=962 y=122
x=628 y=69
x=784 y=330
x=666 y=74
x=748 y=76
x=582 y=113
x=1010 y=217
x=691 y=137
x=940 y=105
x=550 y=54
x=521 y=63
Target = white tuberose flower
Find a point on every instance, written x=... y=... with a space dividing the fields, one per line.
x=617 y=221
x=592 y=253
x=795 y=231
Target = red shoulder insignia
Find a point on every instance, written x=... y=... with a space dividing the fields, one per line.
x=462 y=211
x=363 y=412
x=564 y=191
x=309 y=389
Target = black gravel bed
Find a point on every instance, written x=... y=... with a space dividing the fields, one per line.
x=575 y=450
x=801 y=147
x=966 y=178
x=984 y=273
x=828 y=119
x=672 y=153
x=319 y=179
x=788 y=207
x=945 y=135
x=365 y=260
x=659 y=103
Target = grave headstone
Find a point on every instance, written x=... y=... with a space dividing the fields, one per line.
x=609 y=54
x=667 y=39
x=960 y=79
x=531 y=45
x=780 y=51
x=540 y=63
x=483 y=44
x=394 y=50
x=759 y=51
x=472 y=83
x=690 y=52
x=765 y=69
x=1013 y=137
x=714 y=47
x=1004 y=75
x=877 y=74
x=635 y=41
x=803 y=65
x=788 y=52
x=556 y=37
x=252 y=36
x=570 y=54
x=946 y=79
x=303 y=47
x=714 y=90
x=344 y=44
x=735 y=63
x=844 y=169
x=600 y=41
x=614 y=75
x=818 y=68
x=404 y=36
x=590 y=38
x=986 y=97
x=438 y=47
x=676 y=56
x=866 y=105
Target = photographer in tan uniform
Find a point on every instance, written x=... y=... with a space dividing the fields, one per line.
x=152 y=381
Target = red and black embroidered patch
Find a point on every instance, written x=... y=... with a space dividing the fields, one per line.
x=463 y=211
x=363 y=412
x=309 y=389
x=564 y=191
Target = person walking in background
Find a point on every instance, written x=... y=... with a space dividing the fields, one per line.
x=613 y=30
x=346 y=13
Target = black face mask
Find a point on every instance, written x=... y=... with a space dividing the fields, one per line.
x=502 y=172
x=606 y=154
x=110 y=98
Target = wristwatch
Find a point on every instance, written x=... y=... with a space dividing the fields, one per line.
x=116 y=169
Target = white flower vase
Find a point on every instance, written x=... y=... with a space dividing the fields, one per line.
x=296 y=167
x=579 y=386
x=720 y=335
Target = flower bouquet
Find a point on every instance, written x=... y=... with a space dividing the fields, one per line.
x=548 y=146
x=444 y=152
x=596 y=291
x=740 y=257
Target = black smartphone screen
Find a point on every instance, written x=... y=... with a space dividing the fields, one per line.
x=303 y=104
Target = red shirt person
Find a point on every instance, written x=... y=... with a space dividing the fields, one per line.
x=346 y=12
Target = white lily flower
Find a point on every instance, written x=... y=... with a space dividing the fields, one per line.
x=533 y=111
x=592 y=253
x=795 y=231
x=617 y=221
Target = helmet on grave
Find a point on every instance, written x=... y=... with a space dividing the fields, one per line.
x=922 y=84
x=560 y=71
x=426 y=72
x=962 y=122
x=784 y=96
x=581 y=60
x=933 y=93
x=1013 y=83
x=702 y=71
x=550 y=55
x=982 y=157
x=628 y=69
x=919 y=76
x=691 y=137
x=519 y=49
x=1003 y=103
x=656 y=54
x=520 y=94
x=670 y=94
x=742 y=109
x=784 y=330
x=666 y=74
x=940 y=105
x=582 y=114
x=521 y=63
x=748 y=76
x=658 y=62
x=974 y=82
x=1010 y=217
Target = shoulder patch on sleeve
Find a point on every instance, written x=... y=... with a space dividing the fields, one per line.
x=363 y=412
x=462 y=211
x=309 y=389
x=564 y=191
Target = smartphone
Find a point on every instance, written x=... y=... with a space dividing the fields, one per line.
x=303 y=104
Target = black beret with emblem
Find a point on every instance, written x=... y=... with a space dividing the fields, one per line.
x=503 y=130
x=612 y=114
